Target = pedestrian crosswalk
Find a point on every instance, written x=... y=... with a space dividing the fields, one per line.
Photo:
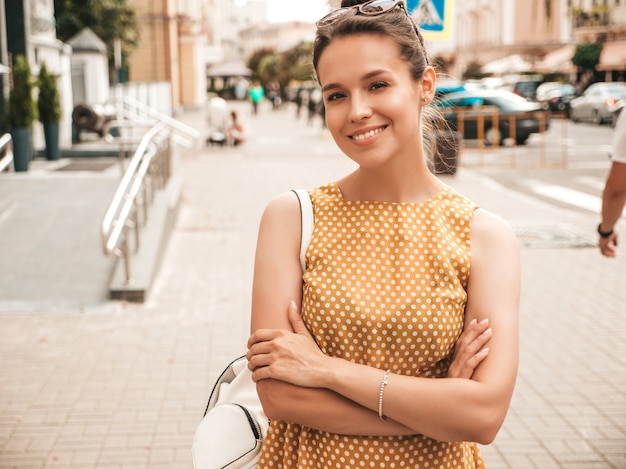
x=584 y=192
x=566 y=195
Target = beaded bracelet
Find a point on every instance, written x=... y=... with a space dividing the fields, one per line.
x=383 y=383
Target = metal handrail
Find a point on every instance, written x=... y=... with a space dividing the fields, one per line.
x=6 y=143
x=132 y=109
x=151 y=158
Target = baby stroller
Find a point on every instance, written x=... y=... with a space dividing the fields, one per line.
x=218 y=119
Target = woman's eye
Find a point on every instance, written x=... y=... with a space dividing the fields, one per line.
x=378 y=84
x=334 y=96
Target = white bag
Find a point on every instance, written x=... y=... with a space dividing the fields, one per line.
x=230 y=435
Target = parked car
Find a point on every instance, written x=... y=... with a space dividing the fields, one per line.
x=446 y=86
x=597 y=102
x=527 y=88
x=556 y=96
x=529 y=117
x=617 y=110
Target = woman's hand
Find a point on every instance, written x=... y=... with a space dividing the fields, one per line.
x=293 y=357
x=470 y=350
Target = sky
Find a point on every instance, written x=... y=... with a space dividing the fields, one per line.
x=295 y=10
x=292 y=10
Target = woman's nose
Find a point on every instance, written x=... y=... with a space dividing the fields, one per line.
x=359 y=108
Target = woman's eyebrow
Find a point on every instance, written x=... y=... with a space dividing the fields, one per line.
x=367 y=76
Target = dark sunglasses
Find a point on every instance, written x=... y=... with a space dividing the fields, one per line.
x=372 y=8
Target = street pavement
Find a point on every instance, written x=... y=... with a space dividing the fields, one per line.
x=92 y=383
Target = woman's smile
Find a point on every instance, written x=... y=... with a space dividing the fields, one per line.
x=361 y=136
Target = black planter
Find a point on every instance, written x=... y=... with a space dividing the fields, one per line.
x=22 y=148
x=51 y=135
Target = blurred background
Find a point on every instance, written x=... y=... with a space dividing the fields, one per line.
x=184 y=52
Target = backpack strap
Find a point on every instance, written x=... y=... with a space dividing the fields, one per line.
x=307 y=221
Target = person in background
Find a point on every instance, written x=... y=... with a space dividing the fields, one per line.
x=256 y=95
x=273 y=94
x=314 y=104
x=614 y=193
x=236 y=130
x=357 y=361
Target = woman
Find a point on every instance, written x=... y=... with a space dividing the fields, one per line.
x=388 y=287
x=236 y=130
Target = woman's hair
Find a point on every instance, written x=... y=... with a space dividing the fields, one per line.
x=395 y=24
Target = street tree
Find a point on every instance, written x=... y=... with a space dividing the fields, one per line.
x=110 y=20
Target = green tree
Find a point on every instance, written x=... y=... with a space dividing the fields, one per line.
x=257 y=57
x=109 y=19
x=296 y=64
x=287 y=66
x=587 y=56
x=473 y=71
x=268 y=68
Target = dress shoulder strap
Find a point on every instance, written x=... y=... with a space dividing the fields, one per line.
x=307 y=221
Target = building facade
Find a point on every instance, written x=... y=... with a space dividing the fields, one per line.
x=173 y=38
x=490 y=31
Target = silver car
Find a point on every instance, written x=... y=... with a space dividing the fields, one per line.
x=598 y=102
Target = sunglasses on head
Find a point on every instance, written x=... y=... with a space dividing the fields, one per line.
x=372 y=8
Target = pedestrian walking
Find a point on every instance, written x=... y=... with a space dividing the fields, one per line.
x=614 y=193
x=273 y=94
x=256 y=95
x=376 y=355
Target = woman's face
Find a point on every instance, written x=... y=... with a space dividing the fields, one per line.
x=372 y=102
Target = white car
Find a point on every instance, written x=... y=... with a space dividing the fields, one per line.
x=598 y=102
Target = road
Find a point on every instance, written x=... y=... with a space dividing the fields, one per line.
x=566 y=167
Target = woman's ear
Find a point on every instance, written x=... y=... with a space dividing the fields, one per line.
x=429 y=84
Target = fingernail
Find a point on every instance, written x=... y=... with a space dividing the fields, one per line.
x=484 y=321
x=472 y=322
x=485 y=350
x=488 y=332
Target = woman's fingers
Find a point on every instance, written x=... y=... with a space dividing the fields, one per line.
x=470 y=349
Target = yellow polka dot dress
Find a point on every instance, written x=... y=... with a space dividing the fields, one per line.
x=385 y=286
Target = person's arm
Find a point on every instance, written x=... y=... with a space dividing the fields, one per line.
x=349 y=405
x=613 y=199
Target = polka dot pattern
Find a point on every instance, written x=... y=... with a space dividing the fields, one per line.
x=385 y=286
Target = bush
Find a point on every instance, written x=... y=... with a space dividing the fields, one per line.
x=587 y=56
x=48 y=104
x=21 y=110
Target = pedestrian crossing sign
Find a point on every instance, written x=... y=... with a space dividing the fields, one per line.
x=434 y=17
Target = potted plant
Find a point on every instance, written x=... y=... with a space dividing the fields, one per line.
x=49 y=107
x=21 y=113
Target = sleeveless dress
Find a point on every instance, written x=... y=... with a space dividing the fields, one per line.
x=385 y=286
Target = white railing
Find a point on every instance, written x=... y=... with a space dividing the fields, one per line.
x=148 y=170
x=128 y=108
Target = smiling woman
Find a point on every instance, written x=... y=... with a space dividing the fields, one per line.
x=387 y=301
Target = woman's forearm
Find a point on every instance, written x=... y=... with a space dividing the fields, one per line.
x=324 y=410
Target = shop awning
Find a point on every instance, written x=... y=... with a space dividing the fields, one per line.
x=613 y=56
x=231 y=69
x=557 y=61
x=510 y=64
